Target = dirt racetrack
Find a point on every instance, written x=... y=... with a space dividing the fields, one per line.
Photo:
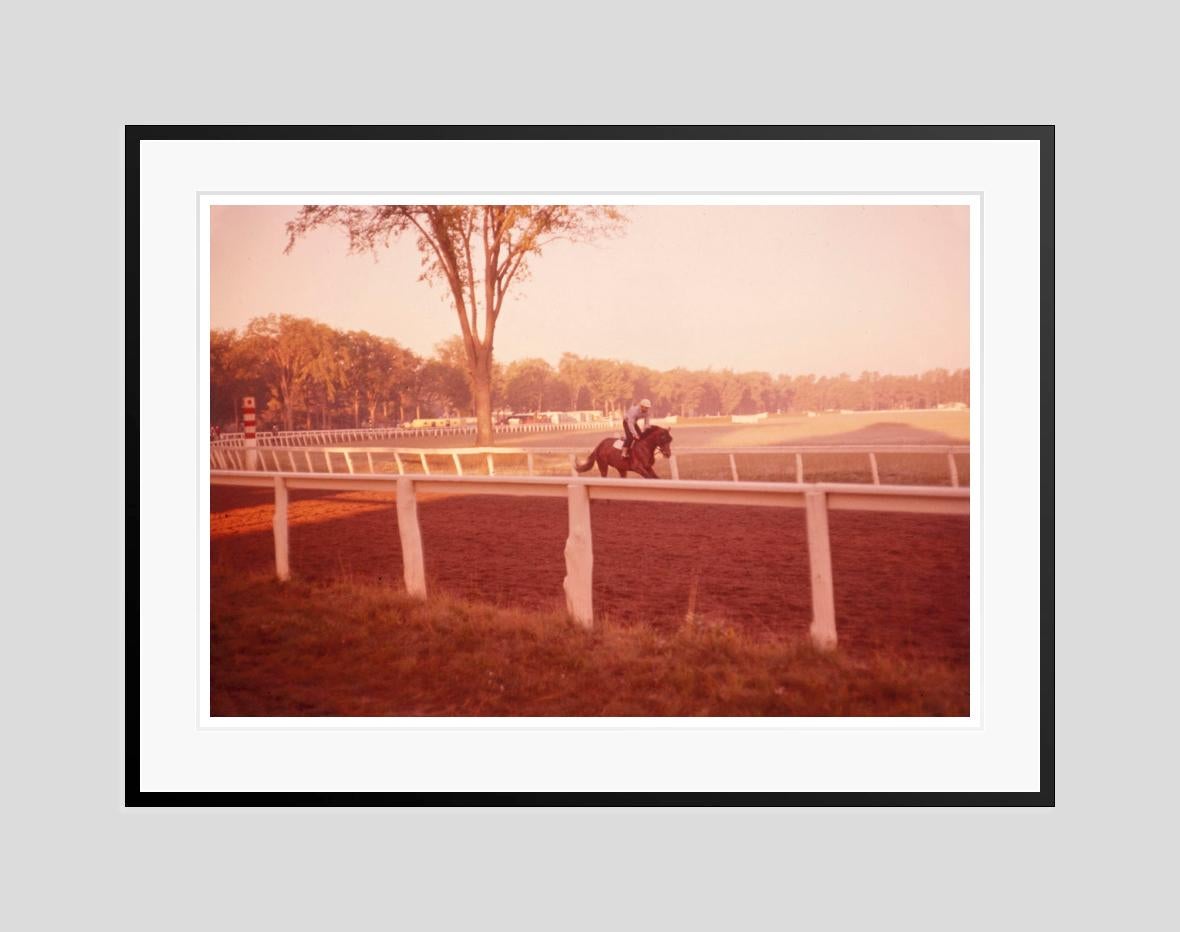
x=901 y=581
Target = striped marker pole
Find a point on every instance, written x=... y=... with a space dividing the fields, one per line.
x=248 y=425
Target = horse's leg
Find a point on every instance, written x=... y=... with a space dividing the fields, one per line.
x=603 y=467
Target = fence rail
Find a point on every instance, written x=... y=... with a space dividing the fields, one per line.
x=361 y=459
x=816 y=498
x=299 y=438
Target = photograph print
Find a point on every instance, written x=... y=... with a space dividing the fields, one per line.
x=589 y=460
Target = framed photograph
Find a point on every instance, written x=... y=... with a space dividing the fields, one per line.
x=591 y=465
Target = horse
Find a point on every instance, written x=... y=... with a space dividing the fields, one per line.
x=643 y=454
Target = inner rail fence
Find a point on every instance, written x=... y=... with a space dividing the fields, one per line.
x=816 y=498
x=407 y=460
x=302 y=438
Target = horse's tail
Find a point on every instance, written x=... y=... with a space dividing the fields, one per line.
x=586 y=466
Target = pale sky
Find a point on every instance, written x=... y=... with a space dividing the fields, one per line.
x=790 y=290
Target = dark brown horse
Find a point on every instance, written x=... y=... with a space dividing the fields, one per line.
x=643 y=454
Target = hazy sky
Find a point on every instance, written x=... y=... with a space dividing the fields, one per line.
x=779 y=289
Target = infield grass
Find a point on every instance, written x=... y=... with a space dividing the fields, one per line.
x=344 y=648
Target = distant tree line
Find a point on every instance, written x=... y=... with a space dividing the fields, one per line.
x=306 y=375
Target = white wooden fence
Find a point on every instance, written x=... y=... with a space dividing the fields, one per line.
x=311 y=438
x=797 y=452
x=816 y=498
x=361 y=459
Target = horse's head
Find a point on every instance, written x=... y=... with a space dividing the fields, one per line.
x=664 y=442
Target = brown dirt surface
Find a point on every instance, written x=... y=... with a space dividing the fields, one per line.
x=901 y=581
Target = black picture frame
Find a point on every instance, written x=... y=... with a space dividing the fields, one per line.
x=135 y=796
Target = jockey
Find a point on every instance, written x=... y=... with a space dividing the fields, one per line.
x=631 y=419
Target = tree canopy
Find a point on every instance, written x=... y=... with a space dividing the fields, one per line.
x=477 y=251
x=306 y=374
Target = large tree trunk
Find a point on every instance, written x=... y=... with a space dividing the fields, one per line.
x=482 y=401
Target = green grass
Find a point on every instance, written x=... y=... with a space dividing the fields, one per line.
x=349 y=649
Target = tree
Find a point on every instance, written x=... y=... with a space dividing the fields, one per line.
x=869 y=381
x=527 y=384
x=557 y=394
x=607 y=383
x=572 y=369
x=676 y=389
x=731 y=392
x=707 y=393
x=760 y=392
x=477 y=251
x=785 y=391
x=395 y=379
x=327 y=373
x=287 y=348
x=442 y=388
x=460 y=390
x=365 y=364
x=233 y=374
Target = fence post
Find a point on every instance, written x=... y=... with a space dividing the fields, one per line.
x=674 y=466
x=248 y=426
x=798 y=467
x=491 y=466
x=530 y=460
x=950 y=458
x=873 y=464
x=819 y=550
x=282 y=553
x=733 y=467
x=411 y=538
x=458 y=465
x=579 y=559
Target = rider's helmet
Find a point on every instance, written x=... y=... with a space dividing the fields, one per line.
x=645 y=403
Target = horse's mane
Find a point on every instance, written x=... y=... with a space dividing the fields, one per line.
x=651 y=429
